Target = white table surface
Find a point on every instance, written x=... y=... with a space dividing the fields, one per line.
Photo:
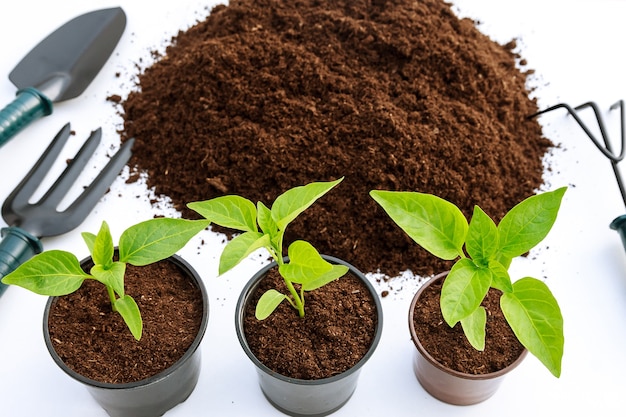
x=576 y=49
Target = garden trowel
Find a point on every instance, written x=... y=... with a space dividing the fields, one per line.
x=61 y=67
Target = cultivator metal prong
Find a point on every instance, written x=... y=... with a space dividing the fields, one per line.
x=605 y=147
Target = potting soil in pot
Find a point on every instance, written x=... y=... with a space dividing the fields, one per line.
x=265 y=95
x=336 y=332
x=94 y=341
x=450 y=347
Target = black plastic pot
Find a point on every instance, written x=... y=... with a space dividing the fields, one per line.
x=449 y=385
x=298 y=397
x=152 y=396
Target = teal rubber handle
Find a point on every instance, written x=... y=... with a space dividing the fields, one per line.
x=17 y=246
x=29 y=105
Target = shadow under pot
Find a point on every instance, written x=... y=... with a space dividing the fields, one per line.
x=126 y=396
x=289 y=387
x=443 y=382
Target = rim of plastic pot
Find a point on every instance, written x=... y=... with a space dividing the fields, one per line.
x=255 y=280
x=437 y=364
x=185 y=266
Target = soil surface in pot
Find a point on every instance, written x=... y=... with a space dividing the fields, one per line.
x=450 y=347
x=335 y=333
x=265 y=95
x=96 y=343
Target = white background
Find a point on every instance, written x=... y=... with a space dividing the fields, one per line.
x=576 y=49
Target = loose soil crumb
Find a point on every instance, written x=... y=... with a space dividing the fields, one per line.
x=265 y=95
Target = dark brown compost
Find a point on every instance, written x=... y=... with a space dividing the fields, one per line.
x=265 y=95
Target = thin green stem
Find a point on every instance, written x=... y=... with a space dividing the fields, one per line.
x=299 y=303
x=276 y=252
x=112 y=297
x=296 y=301
x=291 y=303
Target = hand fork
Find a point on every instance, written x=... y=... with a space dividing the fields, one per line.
x=28 y=222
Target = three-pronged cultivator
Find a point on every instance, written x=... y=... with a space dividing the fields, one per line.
x=619 y=223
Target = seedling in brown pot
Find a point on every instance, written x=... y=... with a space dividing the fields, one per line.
x=484 y=253
x=263 y=227
x=57 y=272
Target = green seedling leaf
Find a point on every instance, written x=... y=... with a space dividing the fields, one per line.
x=269 y=228
x=90 y=240
x=240 y=248
x=264 y=218
x=230 y=211
x=294 y=201
x=432 y=222
x=474 y=328
x=51 y=273
x=268 y=302
x=529 y=222
x=463 y=290
x=305 y=263
x=128 y=309
x=500 y=278
x=112 y=276
x=535 y=317
x=157 y=239
x=102 y=249
x=482 y=237
x=336 y=272
x=505 y=261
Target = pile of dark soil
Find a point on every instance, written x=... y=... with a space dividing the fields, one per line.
x=265 y=95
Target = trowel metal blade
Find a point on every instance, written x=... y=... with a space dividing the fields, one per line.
x=63 y=64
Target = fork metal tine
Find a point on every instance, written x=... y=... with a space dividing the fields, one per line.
x=82 y=206
x=61 y=186
x=24 y=190
x=43 y=217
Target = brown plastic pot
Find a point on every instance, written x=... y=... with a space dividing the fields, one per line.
x=151 y=396
x=299 y=397
x=449 y=385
